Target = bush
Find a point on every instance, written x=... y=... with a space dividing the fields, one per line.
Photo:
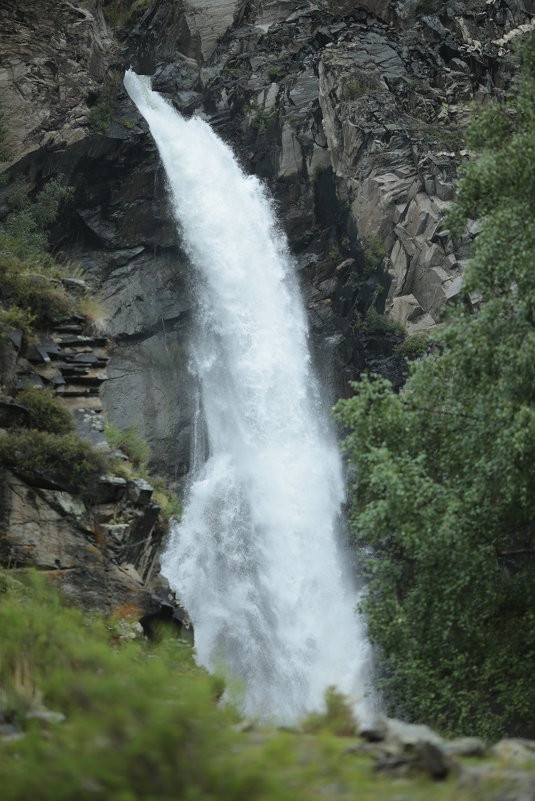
x=375 y=323
x=63 y=458
x=120 y=12
x=415 y=345
x=444 y=471
x=374 y=254
x=337 y=719
x=46 y=412
x=15 y=317
x=142 y=722
x=170 y=506
x=129 y=442
x=25 y=226
x=37 y=294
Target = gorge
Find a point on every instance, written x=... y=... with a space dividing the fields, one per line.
x=306 y=204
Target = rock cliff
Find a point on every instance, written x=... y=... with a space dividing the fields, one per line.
x=353 y=112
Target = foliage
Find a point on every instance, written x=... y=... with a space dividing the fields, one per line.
x=374 y=254
x=94 y=310
x=64 y=458
x=134 y=446
x=444 y=480
x=338 y=717
x=25 y=226
x=46 y=412
x=129 y=442
x=415 y=345
x=143 y=722
x=15 y=317
x=170 y=506
x=30 y=278
x=355 y=86
x=375 y=323
x=120 y=12
x=43 y=298
x=261 y=119
x=103 y=112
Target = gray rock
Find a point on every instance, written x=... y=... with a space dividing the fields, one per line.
x=514 y=750
x=139 y=492
x=410 y=734
x=46 y=716
x=110 y=488
x=466 y=747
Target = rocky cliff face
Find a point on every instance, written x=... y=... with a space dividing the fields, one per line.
x=353 y=113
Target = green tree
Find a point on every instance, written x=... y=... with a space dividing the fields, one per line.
x=444 y=479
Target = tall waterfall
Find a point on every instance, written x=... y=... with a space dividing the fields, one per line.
x=256 y=559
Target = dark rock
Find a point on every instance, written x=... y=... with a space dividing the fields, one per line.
x=433 y=760
x=110 y=489
x=15 y=337
x=139 y=492
x=12 y=414
x=167 y=609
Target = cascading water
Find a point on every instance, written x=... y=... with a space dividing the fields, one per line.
x=255 y=559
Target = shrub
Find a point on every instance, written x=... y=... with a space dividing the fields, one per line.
x=46 y=412
x=120 y=12
x=15 y=317
x=356 y=86
x=337 y=719
x=142 y=721
x=375 y=323
x=415 y=345
x=374 y=254
x=63 y=458
x=103 y=112
x=443 y=477
x=95 y=312
x=130 y=442
x=45 y=300
x=25 y=226
x=170 y=506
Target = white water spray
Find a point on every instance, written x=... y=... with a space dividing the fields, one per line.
x=255 y=559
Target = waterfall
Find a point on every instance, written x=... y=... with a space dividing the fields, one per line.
x=256 y=559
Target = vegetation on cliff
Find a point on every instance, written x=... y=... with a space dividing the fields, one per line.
x=444 y=480
x=31 y=292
